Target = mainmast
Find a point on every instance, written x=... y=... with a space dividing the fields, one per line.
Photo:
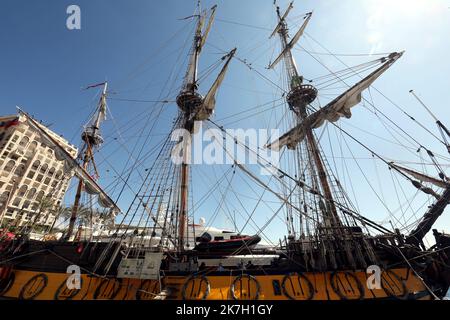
x=298 y=98
x=195 y=107
x=92 y=139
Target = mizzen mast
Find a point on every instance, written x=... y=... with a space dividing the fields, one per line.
x=92 y=139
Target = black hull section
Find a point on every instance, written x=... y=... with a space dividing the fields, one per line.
x=235 y=246
x=56 y=256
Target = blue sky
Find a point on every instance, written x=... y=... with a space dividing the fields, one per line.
x=136 y=45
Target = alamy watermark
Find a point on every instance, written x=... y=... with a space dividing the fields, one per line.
x=73 y=282
x=225 y=146
x=73 y=21
x=374 y=277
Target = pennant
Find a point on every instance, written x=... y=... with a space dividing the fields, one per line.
x=95 y=85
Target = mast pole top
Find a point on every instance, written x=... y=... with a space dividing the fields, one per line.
x=91 y=134
x=424 y=105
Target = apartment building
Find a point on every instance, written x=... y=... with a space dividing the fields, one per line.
x=33 y=180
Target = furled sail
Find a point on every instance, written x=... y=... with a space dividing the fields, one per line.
x=102 y=105
x=277 y=28
x=209 y=103
x=199 y=42
x=421 y=176
x=339 y=107
x=208 y=27
x=70 y=164
x=293 y=41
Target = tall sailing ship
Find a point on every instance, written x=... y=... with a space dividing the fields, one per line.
x=155 y=251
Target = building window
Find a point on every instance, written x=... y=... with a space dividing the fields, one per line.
x=4 y=198
x=20 y=170
x=9 y=214
x=36 y=165
x=51 y=172
x=15 y=138
x=47 y=181
x=17 y=201
x=26 y=204
x=31 y=174
x=39 y=177
x=9 y=166
x=31 y=193
x=44 y=168
x=24 y=141
x=58 y=175
x=31 y=149
x=23 y=189
x=40 y=195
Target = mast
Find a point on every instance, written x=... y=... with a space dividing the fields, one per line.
x=92 y=139
x=195 y=107
x=188 y=100
x=298 y=98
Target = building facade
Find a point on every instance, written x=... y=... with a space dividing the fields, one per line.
x=32 y=180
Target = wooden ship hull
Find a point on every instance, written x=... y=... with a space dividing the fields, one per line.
x=343 y=285
x=39 y=272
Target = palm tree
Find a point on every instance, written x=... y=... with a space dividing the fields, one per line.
x=45 y=205
x=83 y=214
x=87 y=216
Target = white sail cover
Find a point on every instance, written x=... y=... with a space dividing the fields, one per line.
x=421 y=176
x=293 y=41
x=102 y=109
x=209 y=103
x=71 y=165
x=102 y=104
x=208 y=27
x=290 y=7
x=200 y=41
x=332 y=112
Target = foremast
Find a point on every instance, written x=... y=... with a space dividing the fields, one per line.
x=92 y=139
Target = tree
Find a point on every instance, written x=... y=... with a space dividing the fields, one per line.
x=89 y=216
